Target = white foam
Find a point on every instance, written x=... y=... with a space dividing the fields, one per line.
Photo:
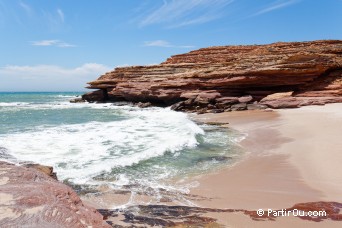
x=65 y=104
x=13 y=104
x=89 y=149
x=66 y=96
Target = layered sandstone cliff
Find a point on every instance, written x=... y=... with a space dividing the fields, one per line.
x=279 y=75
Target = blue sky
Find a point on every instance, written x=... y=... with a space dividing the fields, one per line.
x=59 y=45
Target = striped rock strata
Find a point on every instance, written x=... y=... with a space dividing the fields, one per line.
x=279 y=75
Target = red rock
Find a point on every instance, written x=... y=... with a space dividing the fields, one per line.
x=311 y=70
x=245 y=99
x=207 y=97
x=189 y=95
x=48 y=170
x=295 y=102
x=277 y=96
x=30 y=198
x=227 y=100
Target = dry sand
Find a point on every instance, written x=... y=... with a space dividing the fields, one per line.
x=293 y=156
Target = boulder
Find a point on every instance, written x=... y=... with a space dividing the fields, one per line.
x=245 y=99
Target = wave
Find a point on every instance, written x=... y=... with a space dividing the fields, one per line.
x=13 y=104
x=66 y=105
x=67 y=96
x=6 y=156
x=81 y=151
x=122 y=147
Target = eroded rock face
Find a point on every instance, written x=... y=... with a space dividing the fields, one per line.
x=31 y=198
x=219 y=77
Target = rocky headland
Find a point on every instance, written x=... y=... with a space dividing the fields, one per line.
x=230 y=78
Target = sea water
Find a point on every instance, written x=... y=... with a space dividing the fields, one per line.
x=92 y=144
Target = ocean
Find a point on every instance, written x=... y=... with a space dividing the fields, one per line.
x=151 y=151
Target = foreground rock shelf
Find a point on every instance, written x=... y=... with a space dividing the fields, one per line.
x=229 y=78
x=31 y=197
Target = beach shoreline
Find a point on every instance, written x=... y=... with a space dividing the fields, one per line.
x=276 y=171
x=286 y=161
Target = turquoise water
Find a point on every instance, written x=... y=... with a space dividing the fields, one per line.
x=119 y=146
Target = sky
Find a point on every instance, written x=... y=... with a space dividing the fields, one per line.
x=59 y=45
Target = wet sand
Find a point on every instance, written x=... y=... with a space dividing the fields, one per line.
x=293 y=156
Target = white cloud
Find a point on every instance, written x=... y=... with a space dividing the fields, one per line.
x=44 y=70
x=60 y=14
x=27 y=8
x=49 y=77
x=57 y=43
x=157 y=43
x=65 y=45
x=276 y=5
x=123 y=65
x=44 y=42
x=163 y=43
x=199 y=20
x=54 y=19
x=177 y=13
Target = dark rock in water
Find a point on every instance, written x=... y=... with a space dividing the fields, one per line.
x=93 y=96
x=77 y=100
x=30 y=198
x=178 y=106
x=122 y=103
x=213 y=158
x=144 y=104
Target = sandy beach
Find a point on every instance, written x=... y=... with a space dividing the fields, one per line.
x=292 y=156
